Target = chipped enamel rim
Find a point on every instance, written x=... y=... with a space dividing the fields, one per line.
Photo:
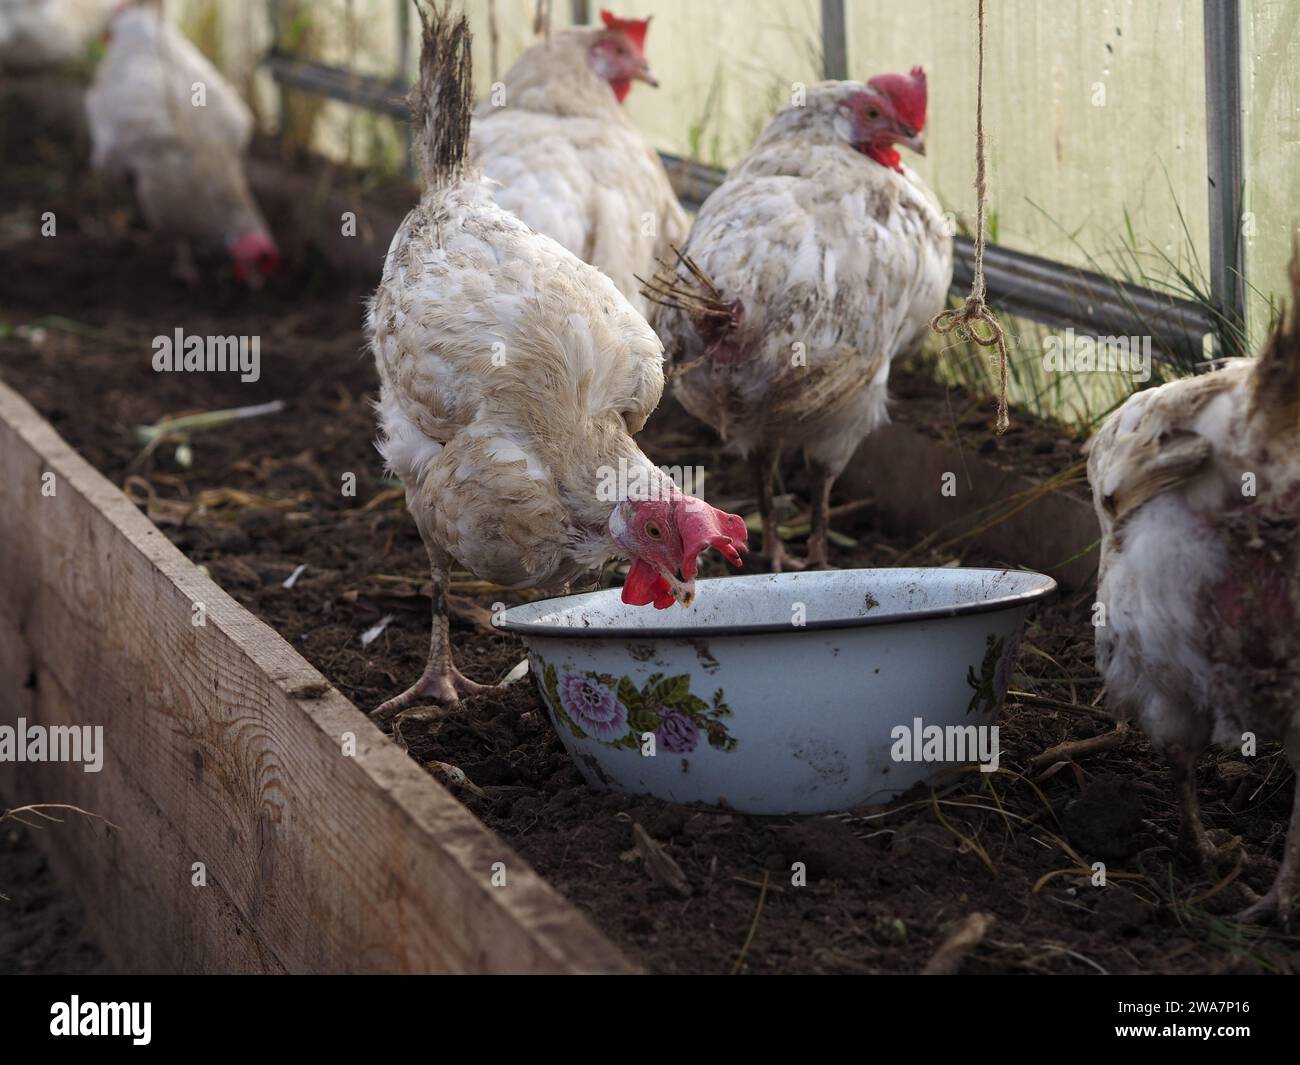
x=529 y=619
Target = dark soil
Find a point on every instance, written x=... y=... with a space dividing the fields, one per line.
x=885 y=885
x=42 y=929
x=1031 y=446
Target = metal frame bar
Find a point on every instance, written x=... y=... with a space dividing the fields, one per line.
x=1024 y=285
x=835 y=46
x=1223 y=132
x=380 y=95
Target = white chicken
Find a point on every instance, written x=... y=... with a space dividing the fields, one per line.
x=40 y=34
x=161 y=114
x=817 y=260
x=570 y=162
x=512 y=377
x=1197 y=487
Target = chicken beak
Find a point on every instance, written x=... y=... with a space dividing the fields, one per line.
x=644 y=73
x=683 y=590
x=916 y=142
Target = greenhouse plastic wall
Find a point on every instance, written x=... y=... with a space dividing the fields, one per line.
x=1067 y=97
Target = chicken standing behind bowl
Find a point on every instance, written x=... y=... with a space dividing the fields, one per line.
x=42 y=34
x=512 y=379
x=815 y=262
x=1197 y=487
x=570 y=162
x=161 y=114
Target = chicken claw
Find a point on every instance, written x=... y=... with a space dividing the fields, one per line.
x=440 y=686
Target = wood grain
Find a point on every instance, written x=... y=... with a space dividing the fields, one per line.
x=316 y=861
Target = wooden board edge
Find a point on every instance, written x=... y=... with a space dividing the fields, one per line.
x=555 y=931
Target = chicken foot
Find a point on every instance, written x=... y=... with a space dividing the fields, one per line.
x=1278 y=900
x=1195 y=841
x=441 y=681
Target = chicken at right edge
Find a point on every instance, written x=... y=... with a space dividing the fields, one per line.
x=1197 y=487
x=815 y=262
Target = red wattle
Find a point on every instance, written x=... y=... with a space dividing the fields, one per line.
x=645 y=585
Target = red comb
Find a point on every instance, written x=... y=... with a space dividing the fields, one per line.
x=632 y=28
x=907 y=93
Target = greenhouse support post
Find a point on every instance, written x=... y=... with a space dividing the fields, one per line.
x=1227 y=267
x=835 y=55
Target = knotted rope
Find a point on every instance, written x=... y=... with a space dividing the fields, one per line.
x=966 y=319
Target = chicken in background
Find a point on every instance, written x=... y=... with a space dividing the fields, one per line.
x=570 y=162
x=41 y=34
x=815 y=262
x=1196 y=484
x=186 y=160
x=512 y=379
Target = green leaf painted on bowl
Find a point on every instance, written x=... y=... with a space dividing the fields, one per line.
x=643 y=720
x=645 y=708
x=630 y=697
x=986 y=697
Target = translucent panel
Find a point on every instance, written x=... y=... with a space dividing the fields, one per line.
x=724 y=69
x=1271 y=100
x=359 y=35
x=1079 y=399
x=1093 y=108
x=514 y=33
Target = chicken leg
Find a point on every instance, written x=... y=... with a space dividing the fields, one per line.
x=1196 y=843
x=1193 y=840
x=183 y=265
x=820 y=489
x=765 y=463
x=1278 y=900
x=441 y=681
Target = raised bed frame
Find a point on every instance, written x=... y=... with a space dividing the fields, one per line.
x=223 y=746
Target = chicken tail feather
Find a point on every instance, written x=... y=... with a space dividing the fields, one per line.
x=1276 y=390
x=442 y=99
x=685 y=286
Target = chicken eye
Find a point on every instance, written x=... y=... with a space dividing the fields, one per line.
x=872 y=113
x=653 y=531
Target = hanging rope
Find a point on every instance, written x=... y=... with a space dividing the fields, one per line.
x=967 y=319
x=542 y=19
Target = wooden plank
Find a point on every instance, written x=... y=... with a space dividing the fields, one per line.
x=225 y=747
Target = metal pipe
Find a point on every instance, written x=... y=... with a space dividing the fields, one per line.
x=1227 y=267
x=835 y=54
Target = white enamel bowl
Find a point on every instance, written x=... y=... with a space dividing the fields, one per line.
x=776 y=694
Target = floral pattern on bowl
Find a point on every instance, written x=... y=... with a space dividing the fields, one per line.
x=990 y=687
x=615 y=712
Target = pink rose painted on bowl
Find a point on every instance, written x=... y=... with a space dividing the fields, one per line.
x=677 y=733
x=592 y=706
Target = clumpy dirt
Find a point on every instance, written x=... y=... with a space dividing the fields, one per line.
x=951 y=414
x=256 y=499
